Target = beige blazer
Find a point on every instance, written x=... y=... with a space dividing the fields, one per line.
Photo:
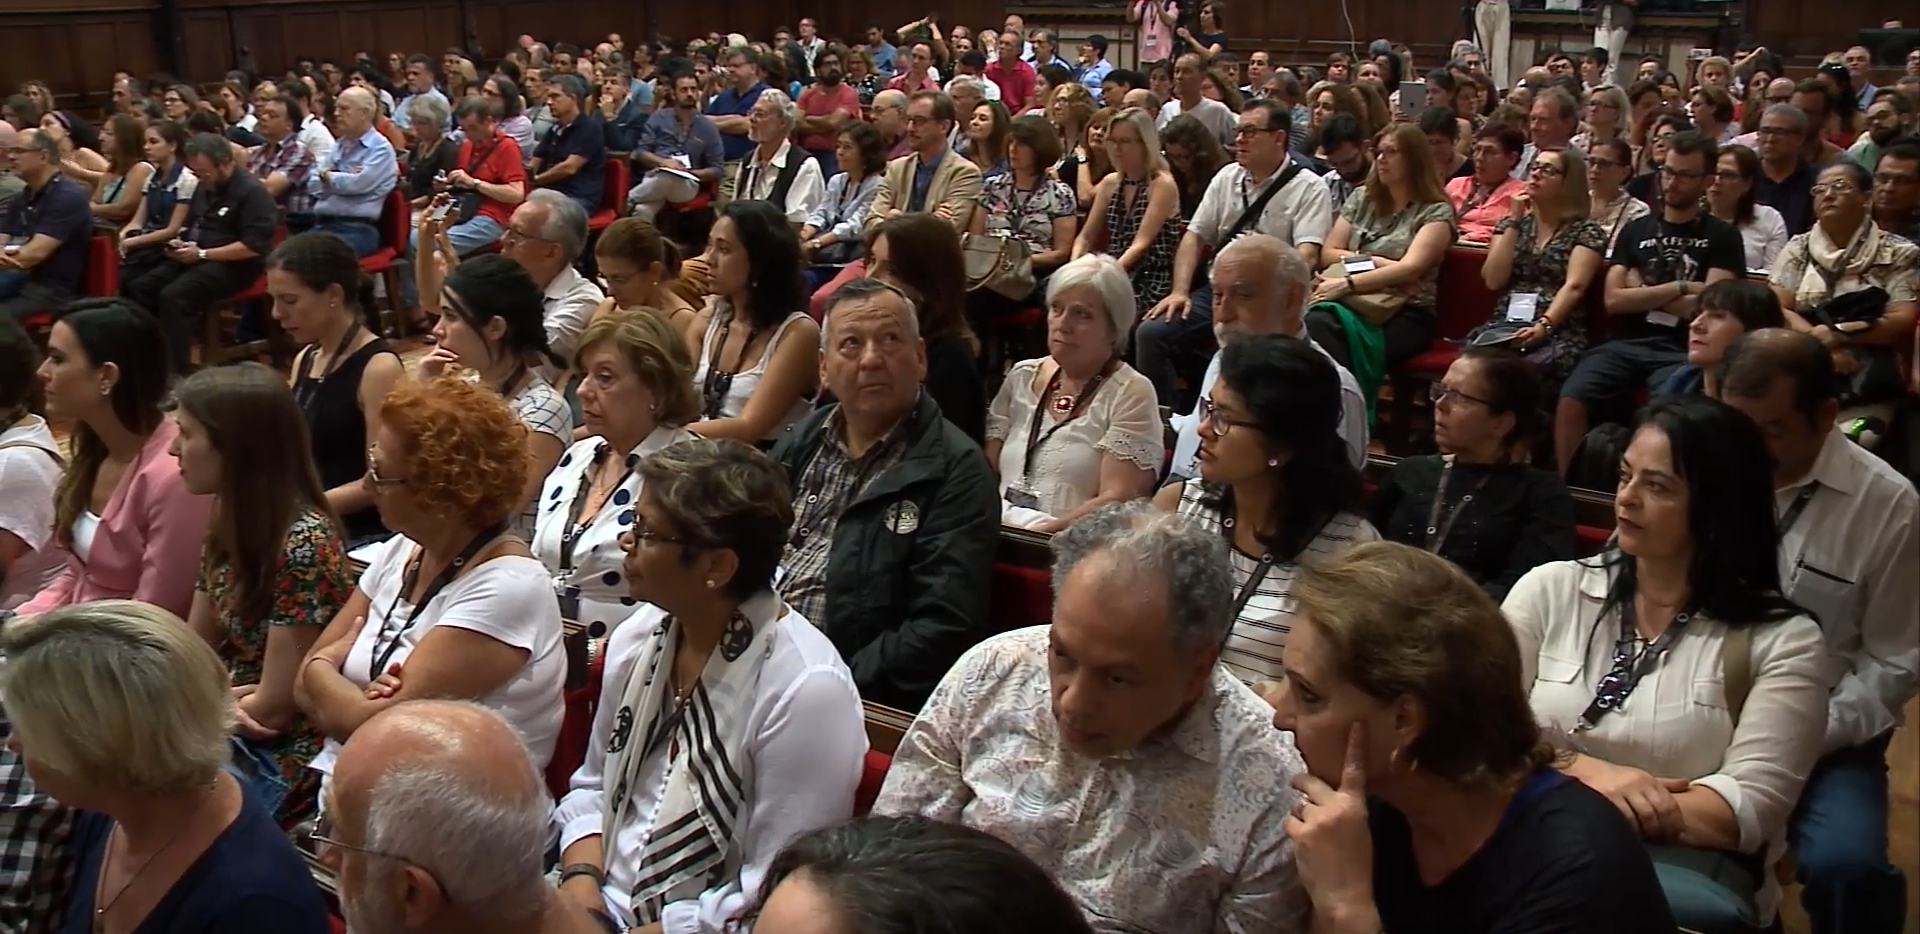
x=955 y=188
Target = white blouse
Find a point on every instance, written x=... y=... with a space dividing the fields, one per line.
x=1764 y=237
x=1122 y=420
x=1676 y=723
x=594 y=578
x=508 y=599
x=807 y=754
x=740 y=388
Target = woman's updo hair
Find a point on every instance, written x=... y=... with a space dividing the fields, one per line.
x=721 y=493
x=1512 y=385
x=465 y=449
x=658 y=354
x=639 y=242
x=493 y=286
x=323 y=261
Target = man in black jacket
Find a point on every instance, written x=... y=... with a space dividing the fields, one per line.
x=895 y=512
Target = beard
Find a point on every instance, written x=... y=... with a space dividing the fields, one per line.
x=1883 y=136
x=830 y=78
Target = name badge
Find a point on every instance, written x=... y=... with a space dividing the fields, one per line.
x=1663 y=319
x=1024 y=499
x=1523 y=307
x=1357 y=264
x=221 y=213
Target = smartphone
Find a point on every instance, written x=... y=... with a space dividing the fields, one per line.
x=1696 y=54
x=440 y=211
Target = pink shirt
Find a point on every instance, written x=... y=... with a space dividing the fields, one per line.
x=1156 y=37
x=1016 y=82
x=1477 y=218
x=904 y=82
x=817 y=101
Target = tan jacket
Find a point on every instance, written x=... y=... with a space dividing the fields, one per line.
x=955 y=188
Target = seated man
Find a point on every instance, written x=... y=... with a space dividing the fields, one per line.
x=232 y=232
x=488 y=173
x=679 y=151
x=351 y=182
x=45 y=229
x=896 y=514
x=12 y=189
x=437 y=821
x=777 y=170
x=281 y=162
x=571 y=159
x=1112 y=748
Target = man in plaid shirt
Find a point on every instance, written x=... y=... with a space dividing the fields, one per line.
x=36 y=865
x=282 y=163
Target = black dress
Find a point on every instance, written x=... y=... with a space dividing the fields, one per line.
x=338 y=428
x=954 y=381
x=1520 y=516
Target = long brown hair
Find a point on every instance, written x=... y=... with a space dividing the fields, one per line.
x=116 y=331
x=1423 y=187
x=129 y=143
x=267 y=474
x=923 y=253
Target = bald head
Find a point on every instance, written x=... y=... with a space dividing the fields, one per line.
x=456 y=735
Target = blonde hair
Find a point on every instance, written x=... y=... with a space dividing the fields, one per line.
x=118 y=694
x=658 y=355
x=1142 y=123
x=1575 y=202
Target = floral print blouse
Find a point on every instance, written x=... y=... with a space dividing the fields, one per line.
x=1542 y=270
x=1026 y=216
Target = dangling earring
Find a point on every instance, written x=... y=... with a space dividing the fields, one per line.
x=106 y=389
x=1393 y=760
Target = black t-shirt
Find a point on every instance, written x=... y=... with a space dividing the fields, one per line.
x=59 y=210
x=584 y=137
x=239 y=210
x=1663 y=251
x=1563 y=861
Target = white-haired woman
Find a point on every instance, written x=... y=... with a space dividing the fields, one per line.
x=121 y=712
x=769 y=173
x=1077 y=428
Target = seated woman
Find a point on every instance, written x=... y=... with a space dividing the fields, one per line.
x=760 y=377
x=1826 y=269
x=1479 y=503
x=30 y=462
x=637 y=263
x=1403 y=677
x=1728 y=309
x=1482 y=199
x=1028 y=205
x=1194 y=155
x=164 y=838
x=984 y=137
x=79 y=144
x=879 y=875
x=1676 y=678
x=164 y=202
x=1135 y=211
x=274 y=569
x=830 y=238
x=1060 y=446
x=1730 y=197
x=117 y=190
x=321 y=298
x=921 y=254
x=1609 y=163
x=490 y=322
x=1544 y=256
x=128 y=525
x=636 y=397
x=675 y=831
x=1388 y=239
x=453 y=606
x=1276 y=481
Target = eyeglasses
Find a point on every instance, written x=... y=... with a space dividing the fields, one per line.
x=373 y=473
x=1245 y=131
x=1767 y=131
x=1221 y=424
x=1599 y=163
x=1671 y=172
x=1442 y=394
x=323 y=840
x=1545 y=170
x=1729 y=177
x=1838 y=188
x=514 y=237
x=1892 y=179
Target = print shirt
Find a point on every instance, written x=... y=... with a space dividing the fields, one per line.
x=1662 y=251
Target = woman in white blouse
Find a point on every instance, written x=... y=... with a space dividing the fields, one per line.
x=1077 y=428
x=830 y=238
x=672 y=821
x=1730 y=197
x=756 y=353
x=636 y=397
x=453 y=606
x=1680 y=682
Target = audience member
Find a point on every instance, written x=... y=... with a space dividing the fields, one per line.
x=1136 y=212
x=1544 y=257
x=827 y=106
x=1728 y=308
x=419 y=83
x=486 y=181
x=432 y=153
x=830 y=237
x=676 y=825
x=30 y=465
x=1346 y=150
x=921 y=255
x=1896 y=190
x=164 y=202
x=1483 y=199
x=1890 y=119
x=639 y=265
x=895 y=512
x=1609 y=163
x=571 y=158
x=777 y=171
x=1732 y=196
x=754 y=271
x=282 y=163
x=45 y=230
x=680 y=152
x=1189 y=71
x=1140 y=612
x=729 y=110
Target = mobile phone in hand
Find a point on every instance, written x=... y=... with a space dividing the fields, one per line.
x=440 y=210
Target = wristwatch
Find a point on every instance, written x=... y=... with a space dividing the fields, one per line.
x=202 y=253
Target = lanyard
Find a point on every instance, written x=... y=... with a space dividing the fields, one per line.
x=1438 y=530
x=570 y=532
x=439 y=583
x=307 y=386
x=1252 y=586
x=1798 y=506
x=506 y=388
x=713 y=389
x=1037 y=438
x=1627 y=670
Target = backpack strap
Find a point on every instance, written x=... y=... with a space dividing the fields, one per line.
x=1736 y=668
x=24 y=443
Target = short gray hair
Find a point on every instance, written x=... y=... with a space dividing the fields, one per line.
x=431 y=108
x=966 y=81
x=1142 y=539
x=783 y=106
x=360 y=97
x=1793 y=114
x=1289 y=269
x=1103 y=274
x=565 y=221
x=42 y=140
x=863 y=289
x=718 y=493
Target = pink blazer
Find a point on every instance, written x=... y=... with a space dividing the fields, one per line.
x=148 y=544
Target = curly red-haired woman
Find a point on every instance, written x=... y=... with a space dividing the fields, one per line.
x=454 y=605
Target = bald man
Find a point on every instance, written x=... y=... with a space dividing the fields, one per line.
x=446 y=792
x=11 y=186
x=350 y=182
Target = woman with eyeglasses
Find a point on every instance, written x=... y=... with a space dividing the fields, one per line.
x=1676 y=678
x=1479 y=503
x=756 y=351
x=1136 y=209
x=1276 y=481
x=674 y=817
x=1606 y=117
x=1480 y=200
x=1730 y=197
x=1544 y=257
x=1609 y=163
x=860 y=75
x=454 y=605
x=639 y=264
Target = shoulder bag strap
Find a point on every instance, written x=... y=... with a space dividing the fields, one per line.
x=1736 y=668
x=24 y=443
x=1252 y=214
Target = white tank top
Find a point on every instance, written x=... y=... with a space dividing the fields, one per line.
x=727 y=397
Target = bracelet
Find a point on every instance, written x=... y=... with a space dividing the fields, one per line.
x=598 y=875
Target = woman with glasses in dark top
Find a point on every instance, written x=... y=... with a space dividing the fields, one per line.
x=1479 y=503
x=1678 y=680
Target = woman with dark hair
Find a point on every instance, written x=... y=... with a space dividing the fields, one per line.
x=890 y=875
x=79 y=143
x=921 y=254
x=164 y=202
x=117 y=188
x=830 y=238
x=273 y=571
x=1728 y=309
x=491 y=321
x=1731 y=197
x=759 y=377
x=30 y=462
x=1711 y=109
x=128 y=525
x=1481 y=200
x=1276 y=481
x=1677 y=679
x=1028 y=205
x=1215 y=84
x=1194 y=155
x=1845 y=122
x=1211 y=37
x=678 y=828
x=178 y=100
x=321 y=298
x=1660 y=126
x=1046 y=78
x=1404 y=689
x=1609 y=164
x=637 y=262
x=986 y=138
x=1479 y=503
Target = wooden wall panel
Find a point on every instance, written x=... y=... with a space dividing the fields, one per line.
x=1794 y=28
x=76 y=52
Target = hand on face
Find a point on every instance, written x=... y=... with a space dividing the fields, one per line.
x=1332 y=845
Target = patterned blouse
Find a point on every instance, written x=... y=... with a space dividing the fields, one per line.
x=1391 y=235
x=1152 y=276
x=310 y=586
x=1027 y=216
x=1542 y=270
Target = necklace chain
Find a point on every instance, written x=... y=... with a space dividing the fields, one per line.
x=100 y=912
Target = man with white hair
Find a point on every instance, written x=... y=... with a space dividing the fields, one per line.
x=350 y=183
x=546 y=234
x=1260 y=286
x=777 y=170
x=436 y=821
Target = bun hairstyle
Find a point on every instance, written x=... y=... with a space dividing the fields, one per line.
x=493 y=286
x=639 y=242
x=323 y=261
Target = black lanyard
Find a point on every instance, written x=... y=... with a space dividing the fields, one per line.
x=1037 y=438
x=1628 y=670
x=1798 y=506
x=308 y=386
x=506 y=388
x=570 y=533
x=1438 y=530
x=1259 y=575
x=439 y=583
x=713 y=389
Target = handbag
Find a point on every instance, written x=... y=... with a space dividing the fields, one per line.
x=1376 y=307
x=466 y=201
x=1002 y=265
x=1876 y=378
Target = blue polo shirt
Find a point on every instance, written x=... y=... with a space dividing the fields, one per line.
x=736 y=104
x=585 y=137
x=59 y=210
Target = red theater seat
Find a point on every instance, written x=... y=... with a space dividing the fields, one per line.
x=396 y=219
x=1022 y=596
x=1590 y=540
x=576 y=729
x=613 y=194
x=103 y=267
x=871 y=778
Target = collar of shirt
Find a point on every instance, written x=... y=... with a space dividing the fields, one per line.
x=568 y=282
x=779 y=160
x=928 y=164
x=897 y=435
x=1832 y=468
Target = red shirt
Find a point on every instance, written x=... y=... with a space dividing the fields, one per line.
x=1016 y=82
x=900 y=83
x=818 y=101
x=499 y=164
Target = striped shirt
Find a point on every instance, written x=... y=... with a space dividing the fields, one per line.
x=1261 y=625
x=544 y=411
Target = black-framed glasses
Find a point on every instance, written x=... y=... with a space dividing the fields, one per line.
x=1220 y=422
x=1544 y=169
x=1442 y=393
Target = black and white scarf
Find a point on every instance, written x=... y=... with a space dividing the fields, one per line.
x=704 y=738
